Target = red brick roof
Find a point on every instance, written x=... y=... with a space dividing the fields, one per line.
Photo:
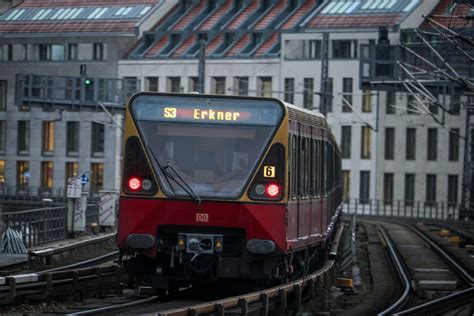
x=354 y=21
x=454 y=19
x=77 y=3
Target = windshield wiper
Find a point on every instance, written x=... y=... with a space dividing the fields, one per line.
x=191 y=191
x=184 y=185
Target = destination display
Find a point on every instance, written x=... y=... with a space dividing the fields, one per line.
x=223 y=112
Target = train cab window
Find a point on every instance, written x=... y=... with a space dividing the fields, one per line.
x=214 y=149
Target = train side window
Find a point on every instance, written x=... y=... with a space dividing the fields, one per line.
x=302 y=167
x=311 y=167
x=294 y=167
x=290 y=172
x=316 y=167
x=308 y=166
x=298 y=168
x=323 y=169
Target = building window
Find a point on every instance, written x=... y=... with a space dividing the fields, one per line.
x=241 y=85
x=72 y=139
x=97 y=176
x=218 y=85
x=344 y=49
x=173 y=84
x=364 y=193
x=72 y=171
x=410 y=153
x=430 y=189
x=97 y=140
x=347 y=94
x=389 y=143
x=346 y=135
x=72 y=51
x=346 y=185
x=367 y=101
x=411 y=104
x=264 y=86
x=409 y=189
x=57 y=52
x=47 y=174
x=2 y=173
x=366 y=144
x=48 y=138
x=432 y=144
x=454 y=144
x=151 y=84
x=3 y=136
x=452 y=189
x=290 y=90
x=331 y=95
x=3 y=95
x=23 y=137
x=388 y=188
x=44 y=51
x=302 y=49
x=98 y=51
x=390 y=102
x=308 y=86
x=193 y=84
x=22 y=174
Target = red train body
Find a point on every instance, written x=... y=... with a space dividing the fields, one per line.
x=274 y=223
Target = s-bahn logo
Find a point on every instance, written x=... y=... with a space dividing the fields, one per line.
x=202 y=217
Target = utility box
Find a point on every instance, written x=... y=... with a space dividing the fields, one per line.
x=107 y=205
x=76 y=219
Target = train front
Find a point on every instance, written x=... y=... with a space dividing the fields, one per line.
x=203 y=193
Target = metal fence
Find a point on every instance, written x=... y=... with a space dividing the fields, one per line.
x=404 y=209
x=9 y=193
x=44 y=225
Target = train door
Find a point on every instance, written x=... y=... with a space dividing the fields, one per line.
x=304 y=203
x=293 y=180
x=324 y=196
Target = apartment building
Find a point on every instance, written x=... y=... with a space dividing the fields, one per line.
x=58 y=62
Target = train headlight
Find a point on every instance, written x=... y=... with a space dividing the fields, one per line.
x=134 y=184
x=272 y=190
x=146 y=184
x=260 y=189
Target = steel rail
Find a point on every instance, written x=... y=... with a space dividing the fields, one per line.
x=402 y=274
x=116 y=307
x=263 y=296
x=80 y=264
x=465 y=275
x=454 y=300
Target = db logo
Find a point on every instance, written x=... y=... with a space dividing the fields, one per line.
x=202 y=217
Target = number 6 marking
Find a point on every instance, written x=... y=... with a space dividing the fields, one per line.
x=269 y=171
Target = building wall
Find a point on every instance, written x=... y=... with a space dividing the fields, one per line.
x=115 y=48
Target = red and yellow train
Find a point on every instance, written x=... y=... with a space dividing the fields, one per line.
x=225 y=187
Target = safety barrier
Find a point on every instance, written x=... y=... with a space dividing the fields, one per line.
x=43 y=225
x=403 y=209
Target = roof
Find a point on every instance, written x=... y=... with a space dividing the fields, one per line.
x=48 y=16
x=361 y=13
x=451 y=14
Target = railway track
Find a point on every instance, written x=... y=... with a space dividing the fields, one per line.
x=281 y=297
x=60 y=281
x=432 y=280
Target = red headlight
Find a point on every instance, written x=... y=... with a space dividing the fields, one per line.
x=134 y=184
x=272 y=190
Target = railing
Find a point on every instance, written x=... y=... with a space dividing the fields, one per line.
x=44 y=225
x=11 y=193
x=404 y=209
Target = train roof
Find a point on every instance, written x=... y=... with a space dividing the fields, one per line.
x=312 y=112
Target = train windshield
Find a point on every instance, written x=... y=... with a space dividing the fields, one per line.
x=214 y=144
